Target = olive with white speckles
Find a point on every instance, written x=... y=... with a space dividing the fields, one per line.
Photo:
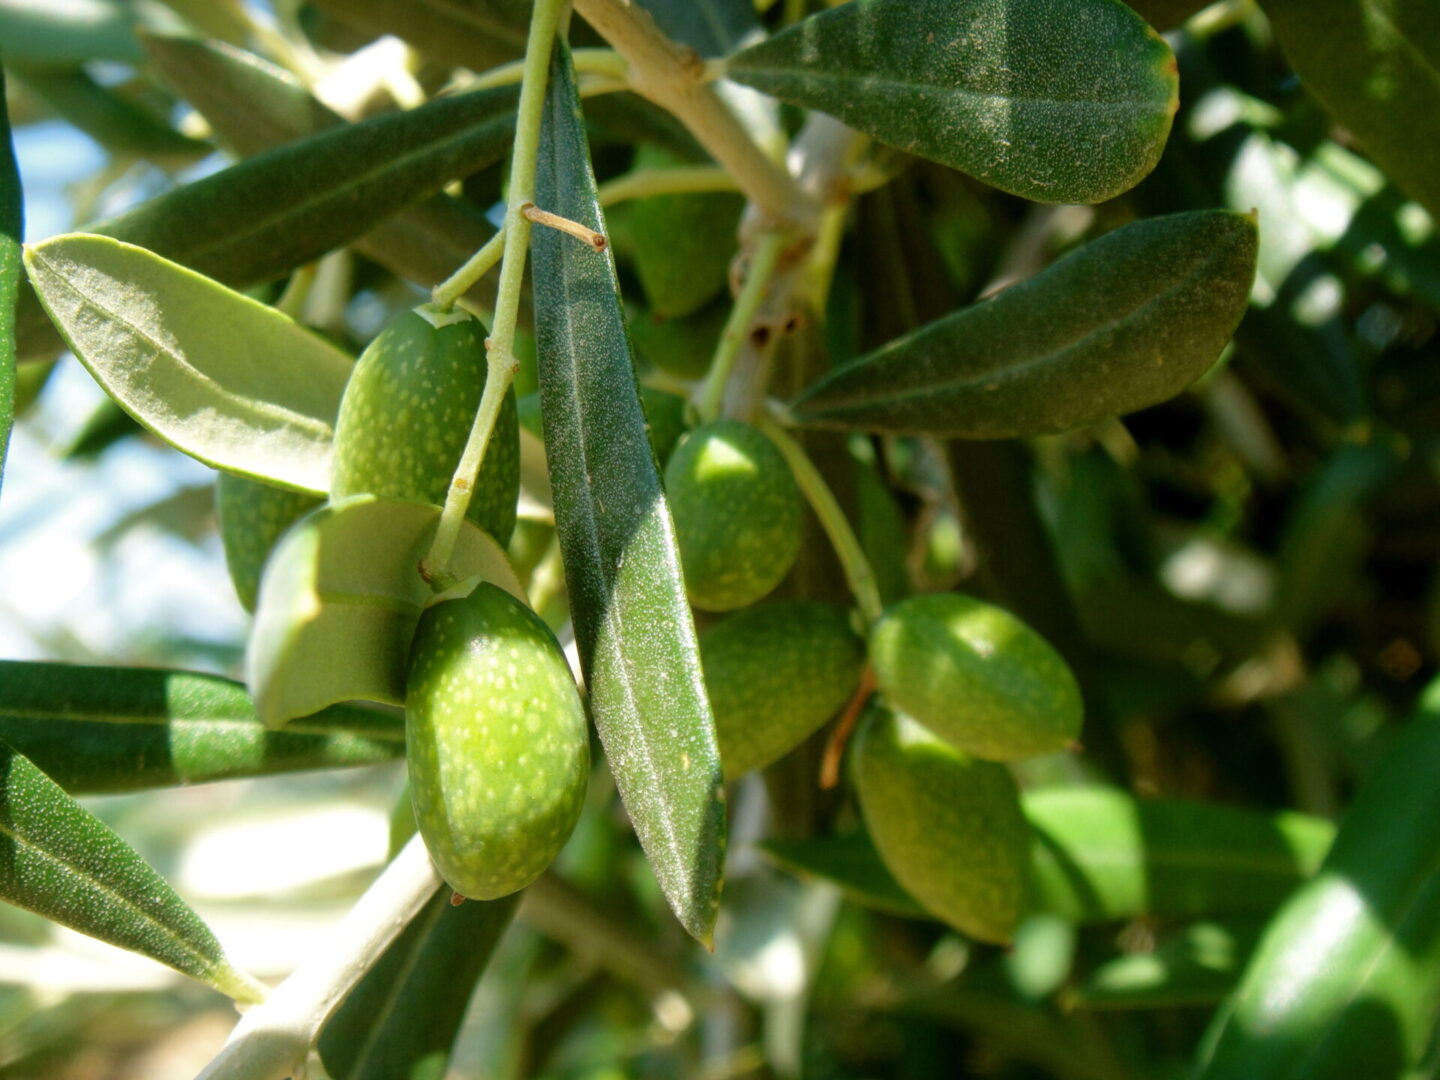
x=975 y=675
x=496 y=740
x=775 y=673
x=407 y=413
x=737 y=514
x=252 y=518
x=947 y=825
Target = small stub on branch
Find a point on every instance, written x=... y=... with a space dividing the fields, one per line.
x=565 y=225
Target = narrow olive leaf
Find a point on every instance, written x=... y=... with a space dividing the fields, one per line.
x=1125 y=322
x=1346 y=980
x=710 y=27
x=12 y=231
x=101 y=730
x=254 y=106
x=849 y=862
x=116 y=123
x=1055 y=100
x=224 y=378
x=1166 y=14
x=480 y=34
x=339 y=601
x=1102 y=854
x=60 y=861
x=401 y=1019
x=258 y=219
x=68 y=33
x=1197 y=966
x=1375 y=65
x=632 y=621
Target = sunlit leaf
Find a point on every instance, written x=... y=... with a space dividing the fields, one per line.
x=1375 y=65
x=68 y=32
x=632 y=621
x=222 y=377
x=1055 y=100
x=59 y=860
x=97 y=730
x=1126 y=321
x=1346 y=980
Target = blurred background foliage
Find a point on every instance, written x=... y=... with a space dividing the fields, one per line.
x=1244 y=577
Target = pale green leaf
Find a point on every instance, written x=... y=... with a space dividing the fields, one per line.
x=224 y=378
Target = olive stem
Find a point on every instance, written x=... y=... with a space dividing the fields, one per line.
x=500 y=361
x=444 y=295
x=583 y=233
x=272 y=1040
x=606 y=62
x=840 y=736
x=676 y=79
x=832 y=519
x=686 y=180
x=738 y=327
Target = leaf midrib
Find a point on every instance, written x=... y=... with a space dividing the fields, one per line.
x=1013 y=372
x=322 y=432
x=208 y=965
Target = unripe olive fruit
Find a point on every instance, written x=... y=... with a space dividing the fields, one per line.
x=976 y=675
x=252 y=516
x=496 y=740
x=406 y=416
x=948 y=826
x=736 y=511
x=775 y=673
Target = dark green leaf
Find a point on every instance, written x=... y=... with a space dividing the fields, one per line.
x=1198 y=966
x=12 y=229
x=339 y=601
x=118 y=124
x=710 y=27
x=1375 y=65
x=224 y=378
x=476 y=34
x=59 y=860
x=99 y=730
x=400 y=1020
x=1346 y=981
x=256 y=220
x=1166 y=14
x=480 y=34
x=852 y=863
x=68 y=33
x=1055 y=100
x=632 y=621
x=1126 y=321
x=1102 y=854
x=254 y=106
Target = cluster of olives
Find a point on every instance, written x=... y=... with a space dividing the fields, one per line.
x=497 y=742
x=964 y=686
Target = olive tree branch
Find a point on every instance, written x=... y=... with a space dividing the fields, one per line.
x=272 y=1040
x=674 y=78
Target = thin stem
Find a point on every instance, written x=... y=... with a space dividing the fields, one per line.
x=606 y=62
x=832 y=519
x=682 y=181
x=444 y=295
x=674 y=78
x=500 y=361
x=737 y=327
x=583 y=233
x=272 y=1040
